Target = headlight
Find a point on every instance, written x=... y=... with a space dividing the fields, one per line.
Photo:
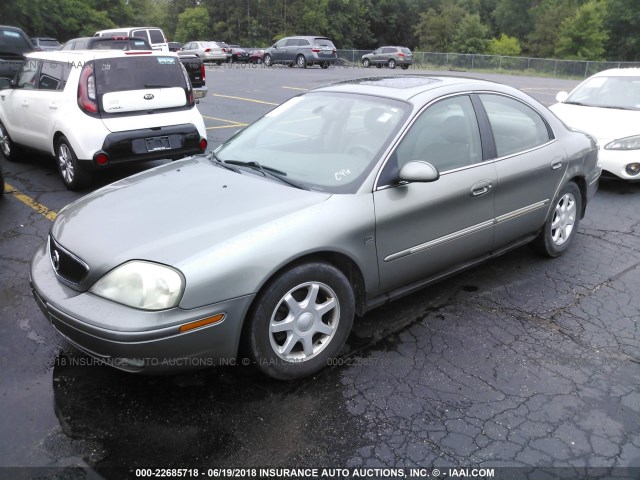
x=144 y=285
x=629 y=143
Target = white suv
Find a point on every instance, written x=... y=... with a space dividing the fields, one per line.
x=93 y=109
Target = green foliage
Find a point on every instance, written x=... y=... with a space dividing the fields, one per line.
x=505 y=45
x=582 y=36
x=436 y=29
x=547 y=17
x=622 y=21
x=471 y=36
x=512 y=17
x=193 y=24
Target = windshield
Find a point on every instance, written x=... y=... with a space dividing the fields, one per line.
x=324 y=141
x=609 y=92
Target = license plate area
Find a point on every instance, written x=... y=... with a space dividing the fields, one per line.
x=156 y=144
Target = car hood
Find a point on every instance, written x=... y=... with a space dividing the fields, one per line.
x=605 y=124
x=172 y=213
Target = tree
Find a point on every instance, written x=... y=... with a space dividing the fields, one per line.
x=193 y=24
x=622 y=22
x=505 y=45
x=582 y=36
x=512 y=17
x=471 y=36
x=436 y=30
x=546 y=18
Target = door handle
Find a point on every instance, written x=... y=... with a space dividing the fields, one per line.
x=481 y=188
x=53 y=105
x=556 y=163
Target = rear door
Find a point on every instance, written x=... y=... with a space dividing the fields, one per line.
x=530 y=166
x=324 y=48
x=141 y=91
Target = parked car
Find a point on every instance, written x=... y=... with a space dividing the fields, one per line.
x=96 y=108
x=14 y=45
x=302 y=52
x=154 y=35
x=334 y=203
x=225 y=48
x=107 y=43
x=607 y=105
x=389 y=56
x=174 y=46
x=256 y=55
x=238 y=54
x=45 y=44
x=207 y=51
x=193 y=65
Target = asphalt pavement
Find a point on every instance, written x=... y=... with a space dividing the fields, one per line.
x=521 y=362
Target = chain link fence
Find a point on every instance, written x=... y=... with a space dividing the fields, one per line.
x=534 y=66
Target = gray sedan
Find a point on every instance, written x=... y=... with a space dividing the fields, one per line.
x=332 y=204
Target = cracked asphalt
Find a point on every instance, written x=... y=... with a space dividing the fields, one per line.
x=520 y=362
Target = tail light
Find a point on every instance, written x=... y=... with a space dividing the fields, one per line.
x=203 y=73
x=189 y=90
x=202 y=144
x=401 y=54
x=207 y=50
x=316 y=50
x=87 y=98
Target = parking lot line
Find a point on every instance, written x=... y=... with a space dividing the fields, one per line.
x=244 y=99
x=231 y=123
x=296 y=88
x=38 y=207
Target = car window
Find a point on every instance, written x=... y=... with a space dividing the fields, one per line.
x=156 y=36
x=608 y=91
x=53 y=75
x=27 y=74
x=303 y=42
x=328 y=141
x=516 y=126
x=292 y=42
x=323 y=42
x=140 y=34
x=405 y=50
x=133 y=73
x=446 y=135
x=14 y=43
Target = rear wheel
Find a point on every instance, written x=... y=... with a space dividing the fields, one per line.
x=9 y=150
x=301 y=62
x=561 y=226
x=72 y=175
x=404 y=67
x=324 y=65
x=391 y=63
x=300 y=321
x=267 y=60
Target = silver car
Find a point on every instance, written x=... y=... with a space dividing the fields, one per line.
x=332 y=204
x=207 y=51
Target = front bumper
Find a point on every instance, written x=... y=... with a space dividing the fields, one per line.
x=614 y=163
x=135 y=340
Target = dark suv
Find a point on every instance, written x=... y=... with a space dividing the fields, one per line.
x=14 y=43
x=45 y=44
x=107 y=43
x=304 y=51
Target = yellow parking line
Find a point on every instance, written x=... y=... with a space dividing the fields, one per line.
x=38 y=207
x=244 y=99
x=235 y=125
x=239 y=124
x=297 y=88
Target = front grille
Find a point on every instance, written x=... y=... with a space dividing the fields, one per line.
x=68 y=267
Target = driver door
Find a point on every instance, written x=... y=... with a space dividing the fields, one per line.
x=423 y=229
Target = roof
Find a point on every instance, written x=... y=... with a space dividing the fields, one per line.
x=75 y=56
x=404 y=87
x=619 y=72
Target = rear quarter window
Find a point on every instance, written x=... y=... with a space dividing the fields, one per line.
x=156 y=36
x=13 y=43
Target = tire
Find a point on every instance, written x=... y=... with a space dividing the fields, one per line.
x=366 y=63
x=267 y=60
x=301 y=62
x=404 y=67
x=8 y=149
x=300 y=321
x=72 y=175
x=391 y=63
x=324 y=65
x=561 y=225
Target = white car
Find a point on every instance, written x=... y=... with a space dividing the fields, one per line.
x=607 y=105
x=93 y=109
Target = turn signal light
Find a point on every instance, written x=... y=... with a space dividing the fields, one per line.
x=203 y=144
x=201 y=323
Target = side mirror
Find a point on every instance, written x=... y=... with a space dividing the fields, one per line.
x=419 y=171
x=6 y=83
x=561 y=96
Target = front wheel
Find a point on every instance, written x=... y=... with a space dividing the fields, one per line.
x=72 y=175
x=267 y=60
x=366 y=63
x=300 y=321
x=561 y=226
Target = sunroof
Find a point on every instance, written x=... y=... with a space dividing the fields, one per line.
x=399 y=82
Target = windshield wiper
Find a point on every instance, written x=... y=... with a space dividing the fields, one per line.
x=268 y=172
x=222 y=163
